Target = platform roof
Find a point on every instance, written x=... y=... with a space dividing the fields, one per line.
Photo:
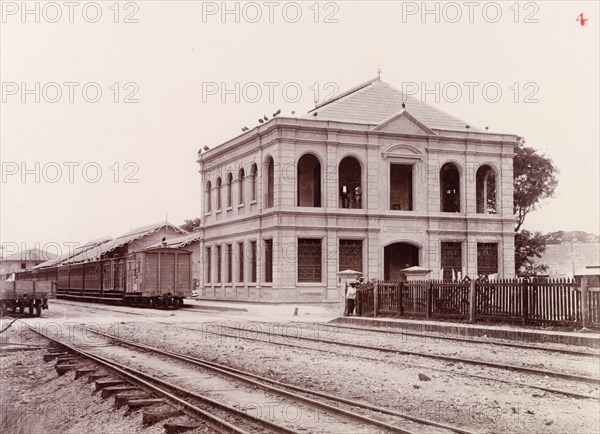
x=180 y=241
x=93 y=250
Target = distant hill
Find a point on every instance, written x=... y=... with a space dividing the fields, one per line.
x=568 y=237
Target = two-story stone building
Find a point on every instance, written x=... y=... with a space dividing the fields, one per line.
x=372 y=180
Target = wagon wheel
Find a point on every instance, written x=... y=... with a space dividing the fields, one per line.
x=30 y=308
x=21 y=308
x=38 y=308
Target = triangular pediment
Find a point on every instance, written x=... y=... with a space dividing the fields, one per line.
x=404 y=123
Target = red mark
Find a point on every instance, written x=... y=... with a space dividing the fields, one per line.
x=581 y=19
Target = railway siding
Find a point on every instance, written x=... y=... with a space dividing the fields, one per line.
x=467 y=396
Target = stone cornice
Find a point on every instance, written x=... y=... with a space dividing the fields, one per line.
x=329 y=127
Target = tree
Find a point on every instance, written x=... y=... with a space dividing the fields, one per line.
x=534 y=180
x=191 y=225
x=529 y=246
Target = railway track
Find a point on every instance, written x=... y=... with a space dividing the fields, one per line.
x=366 y=418
x=525 y=370
x=567 y=393
x=469 y=340
x=476 y=341
x=214 y=414
x=542 y=372
x=295 y=392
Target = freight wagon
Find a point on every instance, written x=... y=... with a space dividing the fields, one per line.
x=156 y=277
x=21 y=294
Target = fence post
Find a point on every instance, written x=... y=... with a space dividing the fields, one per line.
x=472 y=299
x=401 y=298
x=525 y=300
x=375 y=299
x=585 y=303
x=428 y=291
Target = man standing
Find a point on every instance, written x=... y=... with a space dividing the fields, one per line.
x=350 y=299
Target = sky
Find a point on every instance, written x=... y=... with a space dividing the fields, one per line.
x=105 y=104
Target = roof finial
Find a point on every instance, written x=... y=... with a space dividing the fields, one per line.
x=379 y=72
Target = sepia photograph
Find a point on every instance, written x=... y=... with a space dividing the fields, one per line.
x=299 y=217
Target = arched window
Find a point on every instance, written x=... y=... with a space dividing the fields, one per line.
x=309 y=181
x=219 y=193
x=449 y=188
x=254 y=174
x=241 y=190
x=207 y=199
x=486 y=190
x=269 y=193
x=229 y=186
x=350 y=190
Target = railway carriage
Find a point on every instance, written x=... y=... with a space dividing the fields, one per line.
x=155 y=277
x=20 y=294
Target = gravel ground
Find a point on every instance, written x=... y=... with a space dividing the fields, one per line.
x=36 y=400
x=255 y=401
x=444 y=393
x=474 y=404
x=536 y=359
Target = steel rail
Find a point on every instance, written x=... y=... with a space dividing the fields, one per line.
x=545 y=389
x=192 y=308
x=554 y=374
x=137 y=377
x=243 y=376
x=531 y=386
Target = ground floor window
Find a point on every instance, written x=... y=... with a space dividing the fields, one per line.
x=451 y=261
x=487 y=258
x=309 y=260
x=229 y=259
x=208 y=265
x=253 y=261
x=241 y=262
x=219 y=261
x=268 y=261
x=351 y=255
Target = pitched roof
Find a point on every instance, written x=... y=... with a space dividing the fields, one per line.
x=149 y=229
x=132 y=235
x=72 y=252
x=181 y=241
x=93 y=250
x=375 y=101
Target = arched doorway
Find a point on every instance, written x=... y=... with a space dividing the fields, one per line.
x=350 y=190
x=396 y=257
x=309 y=181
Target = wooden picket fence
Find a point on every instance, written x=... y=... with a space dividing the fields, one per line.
x=536 y=302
